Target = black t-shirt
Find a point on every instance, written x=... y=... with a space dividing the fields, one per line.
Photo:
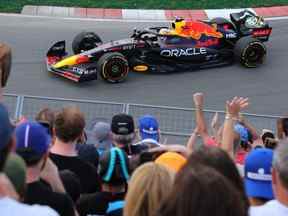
x=87 y=174
x=99 y=203
x=132 y=150
x=88 y=153
x=40 y=192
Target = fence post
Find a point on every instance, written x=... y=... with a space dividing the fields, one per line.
x=18 y=102
x=19 y=107
x=127 y=107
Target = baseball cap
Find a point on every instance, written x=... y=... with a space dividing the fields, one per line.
x=101 y=135
x=258 y=176
x=242 y=131
x=6 y=128
x=148 y=127
x=33 y=138
x=172 y=160
x=122 y=124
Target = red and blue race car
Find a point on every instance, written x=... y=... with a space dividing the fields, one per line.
x=184 y=46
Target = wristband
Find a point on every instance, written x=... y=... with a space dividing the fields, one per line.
x=199 y=108
x=228 y=117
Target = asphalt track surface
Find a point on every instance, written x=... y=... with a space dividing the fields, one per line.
x=266 y=86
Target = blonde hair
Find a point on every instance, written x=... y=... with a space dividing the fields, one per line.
x=149 y=185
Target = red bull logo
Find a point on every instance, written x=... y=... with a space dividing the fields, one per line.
x=196 y=29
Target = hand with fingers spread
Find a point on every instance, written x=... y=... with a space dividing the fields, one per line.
x=234 y=106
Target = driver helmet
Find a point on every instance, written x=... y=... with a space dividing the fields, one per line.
x=178 y=24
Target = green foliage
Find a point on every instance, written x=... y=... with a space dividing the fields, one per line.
x=16 y=6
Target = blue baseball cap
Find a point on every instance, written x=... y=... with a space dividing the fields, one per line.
x=6 y=128
x=148 y=127
x=33 y=138
x=258 y=173
x=242 y=131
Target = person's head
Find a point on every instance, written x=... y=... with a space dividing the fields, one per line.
x=32 y=143
x=270 y=143
x=267 y=134
x=114 y=168
x=46 y=117
x=101 y=133
x=218 y=159
x=15 y=169
x=149 y=185
x=69 y=124
x=258 y=176
x=171 y=160
x=148 y=127
x=245 y=137
x=201 y=190
x=7 y=139
x=280 y=171
x=123 y=129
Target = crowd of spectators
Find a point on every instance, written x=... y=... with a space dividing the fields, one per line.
x=46 y=167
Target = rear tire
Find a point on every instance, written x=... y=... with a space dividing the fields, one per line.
x=250 y=52
x=113 y=67
x=85 y=41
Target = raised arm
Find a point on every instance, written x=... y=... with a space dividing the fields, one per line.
x=198 y=99
x=192 y=140
x=233 y=109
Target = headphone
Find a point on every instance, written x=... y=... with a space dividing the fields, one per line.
x=110 y=160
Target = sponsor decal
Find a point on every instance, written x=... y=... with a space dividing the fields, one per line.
x=128 y=47
x=261 y=32
x=207 y=43
x=140 y=68
x=57 y=48
x=84 y=71
x=211 y=57
x=231 y=35
x=178 y=52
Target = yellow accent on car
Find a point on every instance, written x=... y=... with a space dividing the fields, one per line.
x=66 y=62
x=140 y=68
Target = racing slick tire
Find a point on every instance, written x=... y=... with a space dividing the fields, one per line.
x=85 y=41
x=250 y=51
x=113 y=67
x=222 y=21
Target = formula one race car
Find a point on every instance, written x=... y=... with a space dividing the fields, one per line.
x=186 y=45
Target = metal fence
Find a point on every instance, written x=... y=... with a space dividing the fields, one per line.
x=176 y=123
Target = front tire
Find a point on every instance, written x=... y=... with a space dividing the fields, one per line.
x=250 y=52
x=113 y=67
x=85 y=41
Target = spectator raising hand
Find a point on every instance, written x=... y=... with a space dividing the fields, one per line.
x=233 y=108
x=201 y=126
